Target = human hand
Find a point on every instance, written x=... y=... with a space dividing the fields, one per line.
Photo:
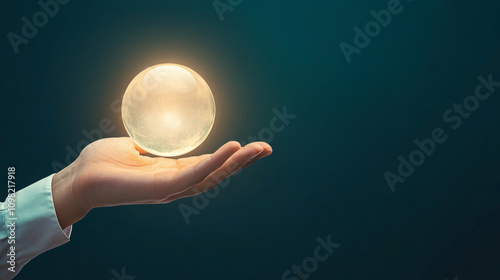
x=112 y=172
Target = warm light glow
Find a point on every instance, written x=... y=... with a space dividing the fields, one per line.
x=168 y=110
x=171 y=120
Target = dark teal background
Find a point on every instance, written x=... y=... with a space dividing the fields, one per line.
x=325 y=176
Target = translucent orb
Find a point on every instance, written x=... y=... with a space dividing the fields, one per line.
x=168 y=110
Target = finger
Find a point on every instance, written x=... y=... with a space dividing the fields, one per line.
x=233 y=164
x=200 y=171
x=184 y=163
x=267 y=151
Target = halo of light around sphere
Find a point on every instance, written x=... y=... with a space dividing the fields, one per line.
x=168 y=110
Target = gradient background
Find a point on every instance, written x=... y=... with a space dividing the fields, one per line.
x=326 y=174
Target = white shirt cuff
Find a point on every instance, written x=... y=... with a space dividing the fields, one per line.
x=37 y=229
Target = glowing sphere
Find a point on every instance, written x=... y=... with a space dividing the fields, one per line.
x=168 y=110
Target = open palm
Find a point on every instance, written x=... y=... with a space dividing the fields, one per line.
x=112 y=172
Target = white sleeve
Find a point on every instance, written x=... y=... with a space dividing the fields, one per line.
x=28 y=227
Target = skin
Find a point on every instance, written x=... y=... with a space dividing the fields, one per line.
x=112 y=172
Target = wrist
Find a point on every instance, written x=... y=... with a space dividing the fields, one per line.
x=69 y=208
